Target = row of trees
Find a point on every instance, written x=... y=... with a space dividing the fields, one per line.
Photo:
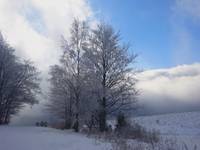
x=18 y=82
x=95 y=77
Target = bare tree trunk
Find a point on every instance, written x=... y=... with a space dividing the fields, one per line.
x=102 y=116
x=1 y=117
x=7 y=117
x=76 y=125
x=67 y=120
x=1 y=114
x=78 y=89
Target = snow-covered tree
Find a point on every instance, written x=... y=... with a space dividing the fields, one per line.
x=95 y=77
x=111 y=75
x=18 y=82
x=70 y=75
x=61 y=101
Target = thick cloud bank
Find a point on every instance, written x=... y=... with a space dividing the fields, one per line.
x=174 y=88
x=34 y=27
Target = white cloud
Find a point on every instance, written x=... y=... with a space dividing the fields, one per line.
x=179 y=84
x=160 y=90
x=34 y=27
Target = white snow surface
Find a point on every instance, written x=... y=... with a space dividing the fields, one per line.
x=37 y=138
x=183 y=127
x=187 y=123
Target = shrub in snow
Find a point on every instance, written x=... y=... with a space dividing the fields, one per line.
x=68 y=124
x=76 y=126
x=167 y=144
x=45 y=124
x=41 y=123
x=37 y=124
x=85 y=129
x=109 y=128
x=135 y=131
x=120 y=144
x=121 y=121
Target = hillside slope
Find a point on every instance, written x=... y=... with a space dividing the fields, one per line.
x=183 y=127
x=187 y=123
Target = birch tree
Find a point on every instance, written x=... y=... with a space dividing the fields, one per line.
x=71 y=67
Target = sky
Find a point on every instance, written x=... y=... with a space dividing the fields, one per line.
x=165 y=34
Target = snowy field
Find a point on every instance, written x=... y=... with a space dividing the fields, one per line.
x=36 y=138
x=183 y=127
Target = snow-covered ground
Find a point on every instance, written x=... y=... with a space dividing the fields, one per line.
x=184 y=127
x=36 y=138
